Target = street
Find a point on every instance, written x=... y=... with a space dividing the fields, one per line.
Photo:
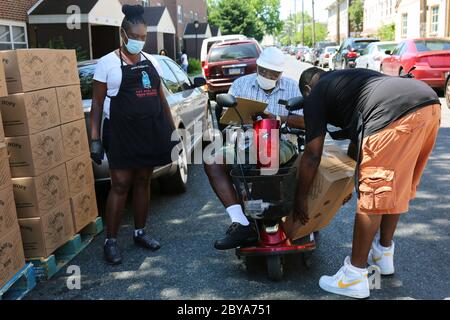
x=188 y=267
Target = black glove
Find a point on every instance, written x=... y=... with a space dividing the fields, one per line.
x=97 y=151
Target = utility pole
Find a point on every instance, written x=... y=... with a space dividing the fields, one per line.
x=313 y=26
x=295 y=19
x=303 y=22
x=338 y=19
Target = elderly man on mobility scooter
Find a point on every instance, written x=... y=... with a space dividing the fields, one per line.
x=268 y=86
x=394 y=123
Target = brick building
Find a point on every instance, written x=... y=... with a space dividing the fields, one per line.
x=13 y=23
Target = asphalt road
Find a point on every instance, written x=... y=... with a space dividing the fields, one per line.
x=188 y=267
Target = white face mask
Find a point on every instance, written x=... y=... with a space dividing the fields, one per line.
x=266 y=84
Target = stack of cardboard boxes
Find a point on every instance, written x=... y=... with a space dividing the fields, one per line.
x=11 y=251
x=48 y=149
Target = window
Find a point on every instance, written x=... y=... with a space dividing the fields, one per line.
x=86 y=76
x=169 y=78
x=404 y=24
x=183 y=80
x=180 y=14
x=233 y=52
x=145 y=3
x=191 y=15
x=434 y=19
x=432 y=45
x=12 y=37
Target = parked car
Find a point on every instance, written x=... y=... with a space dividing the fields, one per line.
x=208 y=43
x=447 y=89
x=228 y=61
x=307 y=56
x=327 y=53
x=319 y=49
x=373 y=55
x=189 y=105
x=349 y=50
x=301 y=52
x=428 y=59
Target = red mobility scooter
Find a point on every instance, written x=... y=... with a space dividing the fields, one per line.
x=268 y=198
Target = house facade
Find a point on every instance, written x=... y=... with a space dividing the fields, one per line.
x=344 y=21
x=13 y=23
x=378 y=13
x=422 y=18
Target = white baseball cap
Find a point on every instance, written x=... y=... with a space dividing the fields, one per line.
x=271 y=58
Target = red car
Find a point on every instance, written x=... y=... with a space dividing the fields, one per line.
x=228 y=61
x=429 y=56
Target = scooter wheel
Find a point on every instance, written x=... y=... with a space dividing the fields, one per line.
x=307 y=259
x=274 y=268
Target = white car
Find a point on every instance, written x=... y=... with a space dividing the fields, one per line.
x=373 y=54
x=308 y=56
x=324 y=58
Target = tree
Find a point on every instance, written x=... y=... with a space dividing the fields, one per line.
x=387 y=32
x=356 y=15
x=292 y=36
x=253 y=18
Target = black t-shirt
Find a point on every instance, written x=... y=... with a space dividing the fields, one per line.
x=380 y=98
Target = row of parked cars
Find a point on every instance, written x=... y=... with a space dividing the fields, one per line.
x=427 y=59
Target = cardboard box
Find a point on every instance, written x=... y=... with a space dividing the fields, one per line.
x=84 y=208
x=31 y=112
x=75 y=139
x=63 y=67
x=5 y=171
x=247 y=108
x=42 y=236
x=2 y=131
x=35 y=154
x=333 y=183
x=35 y=196
x=70 y=103
x=27 y=70
x=3 y=88
x=8 y=214
x=12 y=257
x=80 y=174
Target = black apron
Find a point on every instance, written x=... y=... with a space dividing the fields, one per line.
x=140 y=132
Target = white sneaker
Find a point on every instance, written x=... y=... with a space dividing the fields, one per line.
x=348 y=281
x=382 y=257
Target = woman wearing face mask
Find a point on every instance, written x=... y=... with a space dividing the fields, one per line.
x=137 y=129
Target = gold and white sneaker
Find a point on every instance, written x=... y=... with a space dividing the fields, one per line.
x=348 y=281
x=382 y=257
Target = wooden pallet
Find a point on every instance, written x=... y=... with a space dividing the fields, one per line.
x=23 y=282
x=46 y=268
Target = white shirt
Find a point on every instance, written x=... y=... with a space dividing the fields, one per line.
x=184 y=59
x=108 y=70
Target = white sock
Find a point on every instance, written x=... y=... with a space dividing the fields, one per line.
x=237 y=215
x=360 y=270
x=384 y=248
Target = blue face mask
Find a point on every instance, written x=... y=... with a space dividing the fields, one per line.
x=134 y=46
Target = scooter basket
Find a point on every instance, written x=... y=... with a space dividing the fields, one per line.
x=268 y=197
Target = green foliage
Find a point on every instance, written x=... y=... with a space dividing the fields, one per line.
x=195 y=66
x=58 y=43
x=289 y=36
x=356 y=15
x=252 y=18
x=386 y=32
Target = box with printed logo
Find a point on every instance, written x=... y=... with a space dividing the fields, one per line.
x=42 y=236
x=84 y=208
x=334 y=182
x=12 y=257
x=35 y=154
x=75 y=139
x=35 y=196
x=5 y=171
x=35 y=69
x=70 y=103
x=8 y=214
x=3 y=88
x=31 y=112
x=80 y=174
